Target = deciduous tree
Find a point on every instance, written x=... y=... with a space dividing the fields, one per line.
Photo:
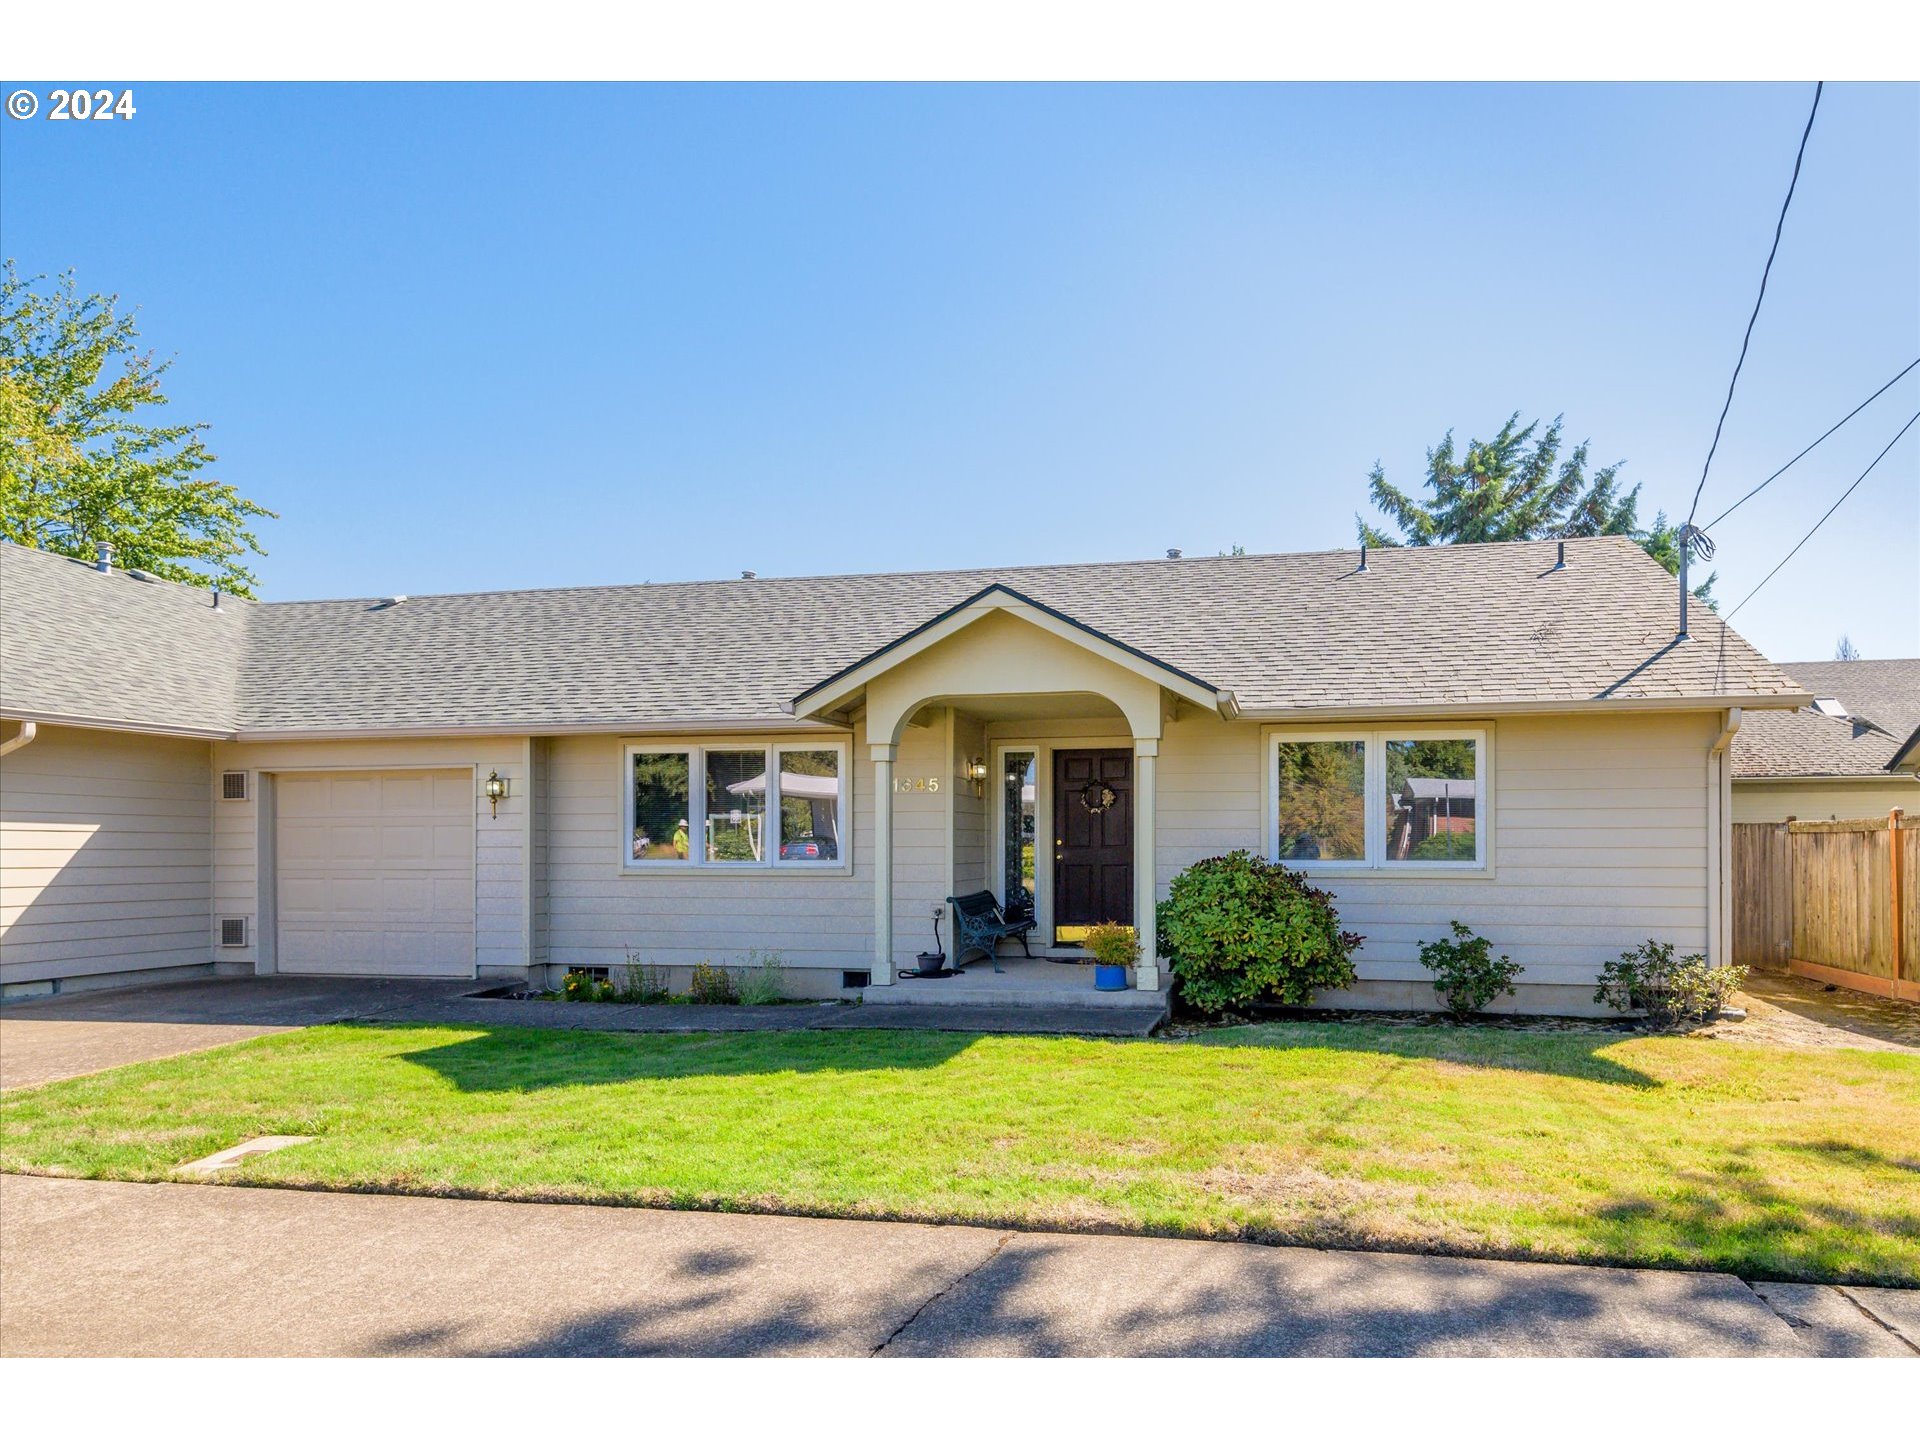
x=79 y=462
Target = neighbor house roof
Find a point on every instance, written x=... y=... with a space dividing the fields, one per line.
x=1881 y=699
x=114 y=649
x=1305 y=636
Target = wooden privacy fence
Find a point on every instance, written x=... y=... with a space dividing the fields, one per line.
x=1834 y=900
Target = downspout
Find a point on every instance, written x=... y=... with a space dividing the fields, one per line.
x=28 y=730
x=1719 y=836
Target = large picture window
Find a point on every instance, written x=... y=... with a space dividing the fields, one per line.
x=1379 y=799
x=735 y=807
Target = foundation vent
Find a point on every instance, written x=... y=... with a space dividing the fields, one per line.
x=233 y=932
x=855 y=979
x=233 y=785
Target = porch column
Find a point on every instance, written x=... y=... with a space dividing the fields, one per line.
x=1146 y=755
x=882 y=864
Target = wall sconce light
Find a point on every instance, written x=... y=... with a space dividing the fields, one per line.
x=496 y=790
x=977 y=773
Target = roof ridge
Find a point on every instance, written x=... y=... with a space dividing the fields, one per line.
x=961 y=570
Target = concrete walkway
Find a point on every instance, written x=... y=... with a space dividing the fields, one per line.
x=68 y=1035
x=97 y=1268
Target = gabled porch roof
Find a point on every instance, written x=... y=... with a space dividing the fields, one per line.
x=842 y=686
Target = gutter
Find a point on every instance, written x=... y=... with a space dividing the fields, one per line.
x=1313 y=714
x=134 y=727
x=28 y=730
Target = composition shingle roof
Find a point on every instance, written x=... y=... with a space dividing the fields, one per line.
x=1460 y=625
x=1882 y=700
x=111 y=649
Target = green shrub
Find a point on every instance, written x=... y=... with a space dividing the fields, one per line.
x=711 y=985
x=764 y=983
x=1239 y=929
x=581 y=986
x=642 y=984
x=1465 y=971
x=1672 y=992
x=1111 y=944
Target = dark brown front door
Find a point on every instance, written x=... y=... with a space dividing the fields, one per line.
x=1092 y=839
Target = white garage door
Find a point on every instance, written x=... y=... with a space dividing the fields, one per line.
x=375 y=872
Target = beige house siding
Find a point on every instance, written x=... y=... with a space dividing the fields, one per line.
x=105 y=856
x=1599 y=841
x=596 y=909
x=243 y=833
x=969 y=808
x=1764 y=802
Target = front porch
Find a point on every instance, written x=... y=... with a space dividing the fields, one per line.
x=1024 y=984
x=1015 y=751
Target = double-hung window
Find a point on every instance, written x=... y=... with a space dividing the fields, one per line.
x=1403 y=799
x=734 y=806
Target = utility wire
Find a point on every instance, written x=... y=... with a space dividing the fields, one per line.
x=1824 y=518
x=1747 y=339
x=1809 y=450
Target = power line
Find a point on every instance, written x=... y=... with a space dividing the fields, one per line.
x=1809 y=450
x=1747 y=339
x=1824 y=518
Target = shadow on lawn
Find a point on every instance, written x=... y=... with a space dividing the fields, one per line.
x=1574 y=1055
x=512 y=1058
x=1784 y=1230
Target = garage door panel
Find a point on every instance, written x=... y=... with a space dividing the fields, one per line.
x=405 y=794
x=350 y=795
x=405 y=841
x=375 y=873
x=453 y=791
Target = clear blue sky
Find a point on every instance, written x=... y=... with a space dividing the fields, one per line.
x=470 y=338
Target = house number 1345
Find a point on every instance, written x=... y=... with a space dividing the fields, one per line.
x=927 y=784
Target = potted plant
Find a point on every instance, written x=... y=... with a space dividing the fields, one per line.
x=1115 y=949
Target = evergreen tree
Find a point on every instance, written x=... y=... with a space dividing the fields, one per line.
x=1517 y=486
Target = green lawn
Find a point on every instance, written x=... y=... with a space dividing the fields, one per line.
x=1652 y=1151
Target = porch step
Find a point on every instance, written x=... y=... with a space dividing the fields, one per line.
x=1012 y=993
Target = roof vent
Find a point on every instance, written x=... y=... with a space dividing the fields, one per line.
x=1363 y=561
x=1173 y=553
x=233 y=932
x=146 y=575
x=394 y=600
x=1829 y=706
x=233 y=785
x=1560 y=560
x=749 y=575
x=103 y=556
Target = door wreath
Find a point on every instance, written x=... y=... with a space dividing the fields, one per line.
x=1096 y=799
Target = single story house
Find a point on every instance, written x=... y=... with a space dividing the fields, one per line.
x=512 y=784
x=1850 y=754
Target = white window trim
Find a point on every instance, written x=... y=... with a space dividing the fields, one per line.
x=696 y=752
x=1375 y=739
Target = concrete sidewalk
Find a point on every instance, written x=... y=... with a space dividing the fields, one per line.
x=96 y=1268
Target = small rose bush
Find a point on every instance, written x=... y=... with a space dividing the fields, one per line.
x=1239 y=929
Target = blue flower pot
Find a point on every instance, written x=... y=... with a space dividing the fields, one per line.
x=1109 y=977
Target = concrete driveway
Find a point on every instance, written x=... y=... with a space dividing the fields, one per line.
x=68 y=1035
x=97 y=1268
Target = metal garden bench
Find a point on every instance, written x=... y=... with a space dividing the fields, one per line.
x=980 y=924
